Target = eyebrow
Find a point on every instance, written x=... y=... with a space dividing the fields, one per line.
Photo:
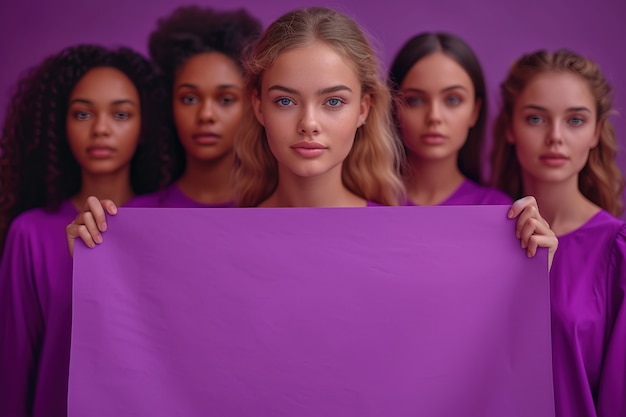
x=569 y=110
x=195 y=87
x=328 y=90
x=89 y=102
x=445 y=90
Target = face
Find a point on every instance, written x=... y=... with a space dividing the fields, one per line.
x=104 y=121
x=437 y=108
x=554 y=127
x=208 y=105
x=311 y=105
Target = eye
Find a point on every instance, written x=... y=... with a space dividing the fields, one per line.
x=534 y=120
x=576 y=121
x=453 y=100
x=227 y=100
x=81 y=115
x=334 y=102
x=189 y=100
x=284 y=101
x=121 y=115
x=413 y=101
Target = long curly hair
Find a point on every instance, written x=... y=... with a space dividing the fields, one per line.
x=371 y=169
x=192 y=30
x=37 y=167
x=424 y=44
x=600 y=180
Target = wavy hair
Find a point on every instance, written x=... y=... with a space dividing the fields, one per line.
x=600 y=180
x=371 y=169
x=37 y=167
x=192 y=30
x=419 y=47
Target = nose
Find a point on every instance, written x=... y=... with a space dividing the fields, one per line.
x=309 y=123
x=101 y=126
x=433 y=114
x=555 y=134
x=206 y=113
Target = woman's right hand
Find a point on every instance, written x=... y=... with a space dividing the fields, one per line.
x=90 y=222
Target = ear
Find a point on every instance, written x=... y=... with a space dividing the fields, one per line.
x=476 y=112
x=366 y=103
x=596 y=134
x=509 y=136
x=256 y=106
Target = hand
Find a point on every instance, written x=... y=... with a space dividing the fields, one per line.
x=90 y=222
x=532 y=229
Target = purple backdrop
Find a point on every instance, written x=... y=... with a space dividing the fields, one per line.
x=498 y=31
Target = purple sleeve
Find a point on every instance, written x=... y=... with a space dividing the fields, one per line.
x=612 y=388
x=21 y=325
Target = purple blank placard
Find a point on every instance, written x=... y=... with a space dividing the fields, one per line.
x=379 y=311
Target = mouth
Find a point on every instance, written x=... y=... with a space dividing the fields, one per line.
x=100 y=152
x=308 y=149
x=206 y=138
x=553 y=159
x=433 y=138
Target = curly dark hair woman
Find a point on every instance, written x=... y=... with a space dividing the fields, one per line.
x=37 y=166
x=87 y=121
x=191 y=30
x=200 y=52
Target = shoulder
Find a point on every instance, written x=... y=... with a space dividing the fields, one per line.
x=35 y=219
x=39 y=228
x=472 y=193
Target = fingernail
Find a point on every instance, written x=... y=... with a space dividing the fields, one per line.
x=98 y=239
x=509 y=214
x=103 y=227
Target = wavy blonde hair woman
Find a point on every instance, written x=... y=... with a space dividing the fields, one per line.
x=371 y=169
x=601 y=180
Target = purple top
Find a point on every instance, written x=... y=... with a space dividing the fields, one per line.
x=171 y=197
x=471 y=194
x=587 y=285
x=35 y=314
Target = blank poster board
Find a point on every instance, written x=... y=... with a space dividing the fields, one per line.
x=377 y=311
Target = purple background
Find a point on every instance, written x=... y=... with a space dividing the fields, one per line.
x=498 y=31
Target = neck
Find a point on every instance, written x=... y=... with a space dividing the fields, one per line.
x=115 y=187
x=207 y=181
x=561 y=204
x=326 y=190
x=431 y=182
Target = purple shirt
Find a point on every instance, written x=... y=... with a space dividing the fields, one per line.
x=171 y=197
x=36 y=314
x=471 y=194
x=587 y=285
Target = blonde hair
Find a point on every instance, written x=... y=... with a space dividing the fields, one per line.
x=600 y=180
x=371 y=169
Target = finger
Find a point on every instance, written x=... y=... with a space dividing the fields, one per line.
x=86 y=223
x=527 y=230
x=97 y=209
x=529 y=215
x=541 y=241
x=519 y=205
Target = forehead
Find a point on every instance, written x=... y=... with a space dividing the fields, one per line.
x=209 y=68
x=436 y=71
x=105 y=83
x=557 y=90
x=313 y=66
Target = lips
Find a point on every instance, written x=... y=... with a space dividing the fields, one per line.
x=553 y=159
x=100 y=152
x=206 y=138
x=309 y=149
x=433 y=138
